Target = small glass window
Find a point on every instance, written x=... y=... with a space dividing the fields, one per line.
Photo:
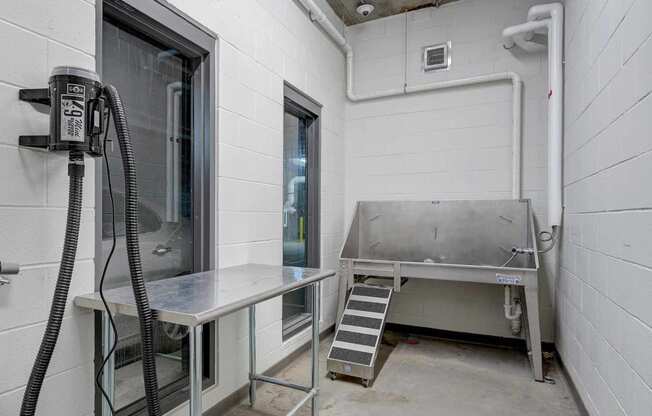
x=300 y=202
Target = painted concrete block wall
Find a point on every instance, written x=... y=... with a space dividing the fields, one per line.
x=263 y=43
x=604 y=314
x=447 y=144
x=34 y=37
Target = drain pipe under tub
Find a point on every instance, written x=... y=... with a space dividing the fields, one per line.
x=513 y=310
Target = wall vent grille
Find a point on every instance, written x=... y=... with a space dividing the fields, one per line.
x=436 y=57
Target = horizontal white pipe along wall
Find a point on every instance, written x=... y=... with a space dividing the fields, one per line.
x=604 y=313
x=517 y=105
x=319 y=17
x=453 y=143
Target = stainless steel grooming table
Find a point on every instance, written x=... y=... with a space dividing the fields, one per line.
x=464 y=241
x=195 y=299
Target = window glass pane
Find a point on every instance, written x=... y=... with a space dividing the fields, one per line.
x=295 y=199
x=296 y=308
x=154 y=83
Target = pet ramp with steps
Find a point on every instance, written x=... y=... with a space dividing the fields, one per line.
x=360 y=333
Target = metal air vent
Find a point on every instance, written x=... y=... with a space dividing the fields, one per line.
x=436 y=57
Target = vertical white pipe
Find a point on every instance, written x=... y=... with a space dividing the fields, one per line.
x=176 y=157
x=517 y=133
x=553 y=15
x=170 y=136
x=555 y=114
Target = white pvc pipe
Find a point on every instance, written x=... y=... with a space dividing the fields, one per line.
x=517 y=125
x=291 y=192
x=556 y=114
x=176 y=157
x=521 y=34
x=513 y=311
x=170 y=132
x=317 y=15
x=543 y=11
x=553 y=20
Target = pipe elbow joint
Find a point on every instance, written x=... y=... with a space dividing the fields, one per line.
x=542 y=11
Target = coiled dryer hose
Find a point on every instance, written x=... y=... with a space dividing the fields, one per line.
x=76 y=174
x=133 y=250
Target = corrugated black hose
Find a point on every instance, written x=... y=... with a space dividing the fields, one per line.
x=133 y=250
x=33 y=389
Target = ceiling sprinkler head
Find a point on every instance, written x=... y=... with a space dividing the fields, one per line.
x=365 y=9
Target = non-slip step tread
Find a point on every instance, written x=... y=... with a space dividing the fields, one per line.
x=356 y=338
x=359 y=305
x=372 y=292
x=363 y=321
x=357 y=357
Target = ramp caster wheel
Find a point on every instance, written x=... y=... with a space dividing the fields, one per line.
x=366 y=382
x=332 y=375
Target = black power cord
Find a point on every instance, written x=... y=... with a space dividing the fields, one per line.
x=145 y=313
x=100 y=372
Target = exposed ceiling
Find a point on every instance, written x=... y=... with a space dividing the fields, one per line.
x=345 y=9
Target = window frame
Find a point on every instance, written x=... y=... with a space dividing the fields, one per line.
x=161 y=21
x=301 y=105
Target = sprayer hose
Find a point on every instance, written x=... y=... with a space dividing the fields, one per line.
x=57 y=310
x=145 y=316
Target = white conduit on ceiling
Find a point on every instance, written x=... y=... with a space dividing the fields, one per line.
x=318 y=16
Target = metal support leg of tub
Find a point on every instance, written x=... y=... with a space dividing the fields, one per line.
x=108 y=377
x=534 y=331
x=397 y=276
x=345 y=282
x=195 y=337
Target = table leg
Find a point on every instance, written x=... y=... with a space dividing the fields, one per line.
x=108 y=377
x=316 y=309
x=195 y=337
x=252 y=354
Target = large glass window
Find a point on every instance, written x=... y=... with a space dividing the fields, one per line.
x=161 y=86
x=300 y=201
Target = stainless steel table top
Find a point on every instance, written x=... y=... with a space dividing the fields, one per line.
x=201 y=297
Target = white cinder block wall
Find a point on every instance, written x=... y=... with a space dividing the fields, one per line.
x=34 y=37
x=604 y=313
x=447 y=144
x=262 y=43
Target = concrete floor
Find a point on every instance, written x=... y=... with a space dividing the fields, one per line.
x=430 y=377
